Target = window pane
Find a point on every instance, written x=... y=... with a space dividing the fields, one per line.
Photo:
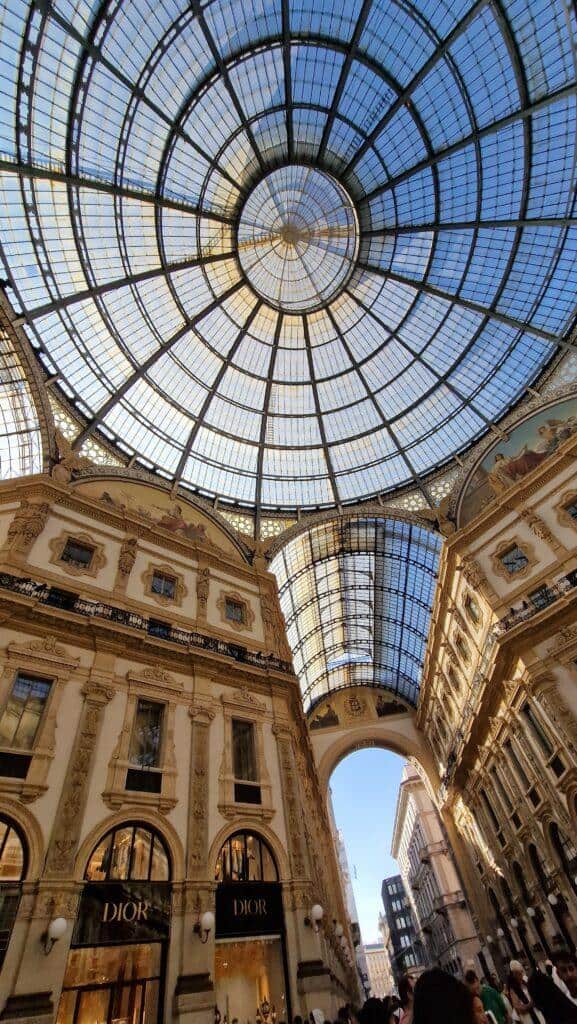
x=146 y=734
x=11 y=857
x=160 y=869
x=141 y=854
x=78 y=554
x=234 y=611
x=120 y=863
x=514 y=560
x=269 y=873
x=161 y=584
x=21 y=716
x=99 y=862
x=243 y=751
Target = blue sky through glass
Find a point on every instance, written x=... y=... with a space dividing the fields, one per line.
x=364 y=789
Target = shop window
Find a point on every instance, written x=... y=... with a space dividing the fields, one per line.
x=22 y=714
x=77 y=554
x=12 y=872
x=130 y=852
x=163 y=585
x=513 y=559
x=116 y=961
x=245 y=857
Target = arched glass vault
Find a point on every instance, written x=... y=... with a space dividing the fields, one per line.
x=357 y=595
x=290 y=254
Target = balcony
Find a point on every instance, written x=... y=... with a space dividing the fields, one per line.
x=68 y=601
x=431 y=850
x=546 y=597
x=447 y=900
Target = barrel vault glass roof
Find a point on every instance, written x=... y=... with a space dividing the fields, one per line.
x=292 y=253
x=357 y=596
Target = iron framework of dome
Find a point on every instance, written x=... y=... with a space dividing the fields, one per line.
x=292 y=254
x=357 y=595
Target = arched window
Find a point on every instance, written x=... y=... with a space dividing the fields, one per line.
x=131 y=852
x=521 y=882
x=565 y=851
x=538 y=867
x=13 y=865
x=245 y=857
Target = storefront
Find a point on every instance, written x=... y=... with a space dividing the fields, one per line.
x=250 y=956
x=116 y=965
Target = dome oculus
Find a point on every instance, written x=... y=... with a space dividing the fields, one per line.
x=298 y=238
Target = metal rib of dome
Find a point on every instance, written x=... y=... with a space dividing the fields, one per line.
x=357 y=597
x=418 y=233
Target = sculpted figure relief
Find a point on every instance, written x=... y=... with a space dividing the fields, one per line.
x=127 y=556
x=26 y=526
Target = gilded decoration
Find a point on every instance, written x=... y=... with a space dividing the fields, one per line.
x=97 y=561
x=564 y=518
x=245 y=623
x=359 y=704
x=502 y=549
x=180 y=591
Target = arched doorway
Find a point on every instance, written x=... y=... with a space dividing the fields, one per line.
x=250 y=950
x=116 y=965
x=13 y=867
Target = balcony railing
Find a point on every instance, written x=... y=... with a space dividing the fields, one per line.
x=544 y=597
x=54 y=597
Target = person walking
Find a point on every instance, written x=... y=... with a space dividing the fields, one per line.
x=548 y=998
x=406 y=995
x=524 y=1009
x=493 y=1002
x=440 y=998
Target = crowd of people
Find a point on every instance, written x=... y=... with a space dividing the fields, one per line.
x=546 y=994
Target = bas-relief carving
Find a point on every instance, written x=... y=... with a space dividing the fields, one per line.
x=197 y=841
x=126 y=560
x=202 y=589
x=27 y=524
x=68 y=822
x=69 y=461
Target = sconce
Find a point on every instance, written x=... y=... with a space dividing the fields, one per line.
x=514 y=922
x=500 y=933
x=338 y=929
x=55 y=931
x=204 y=926
x=489 y=939
x=531 y=911
x=315 y=918
x=552 y=899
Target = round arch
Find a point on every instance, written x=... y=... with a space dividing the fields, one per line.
x=258 y=828
x=31 y=834
x=164 y=829
x=382 y=735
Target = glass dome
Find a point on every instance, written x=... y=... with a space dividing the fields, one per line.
x=290 y=254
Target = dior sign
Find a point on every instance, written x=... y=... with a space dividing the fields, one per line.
x=249 y=908
x=116 y=912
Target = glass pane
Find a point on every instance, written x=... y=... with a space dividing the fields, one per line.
x=269 y=872
x=246 y=974
x=21 y=716
x=253 y=859
x=126 y=1004
x=101 y=964
x=146 y=734
x=93 y=1006
x=77 y=554
x=12 y=858
x=120 y=864
x=237 y=870
x=66 y=1008
x=141 y=854
x=99 y=862
x=160 y=868
x=243 y=751
x=151 y=1002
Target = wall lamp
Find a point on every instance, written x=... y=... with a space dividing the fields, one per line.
x=531 y=911
x=204 y=926
x=514 y=922
x=315 y=917
x=55 y=931
x=552 y=899
x=338 y=929
x=500 y=933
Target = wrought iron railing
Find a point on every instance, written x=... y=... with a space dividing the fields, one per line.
x=70 y=602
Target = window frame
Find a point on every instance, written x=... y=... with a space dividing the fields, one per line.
x=14 y=747
x=134 y=824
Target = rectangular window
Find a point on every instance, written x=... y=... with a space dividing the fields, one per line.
x=77 y=554
x=514 y=559
x=159 y=629
x=243 y=751
x=145 y=744
x=536 y=730
x=163 y=585
x=571 y=508
x=234 y=610
x=517 y=765
x=21 y=716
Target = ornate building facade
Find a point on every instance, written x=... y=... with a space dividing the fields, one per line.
x=160 y=812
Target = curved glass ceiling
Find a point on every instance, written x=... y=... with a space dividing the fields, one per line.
x=357 y=597
x=290 y=253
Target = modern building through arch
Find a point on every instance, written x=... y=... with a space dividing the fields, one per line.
x=288 y=424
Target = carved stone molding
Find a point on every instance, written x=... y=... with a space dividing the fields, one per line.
x=202 y=590
x=58 y=544
x=154 y=678
x=563 y=516
x=201 y=717
x=506 y=545
x=69 y=816
x=244 y=698
x=125 y=565
x=26 y=526
x=538 y=526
